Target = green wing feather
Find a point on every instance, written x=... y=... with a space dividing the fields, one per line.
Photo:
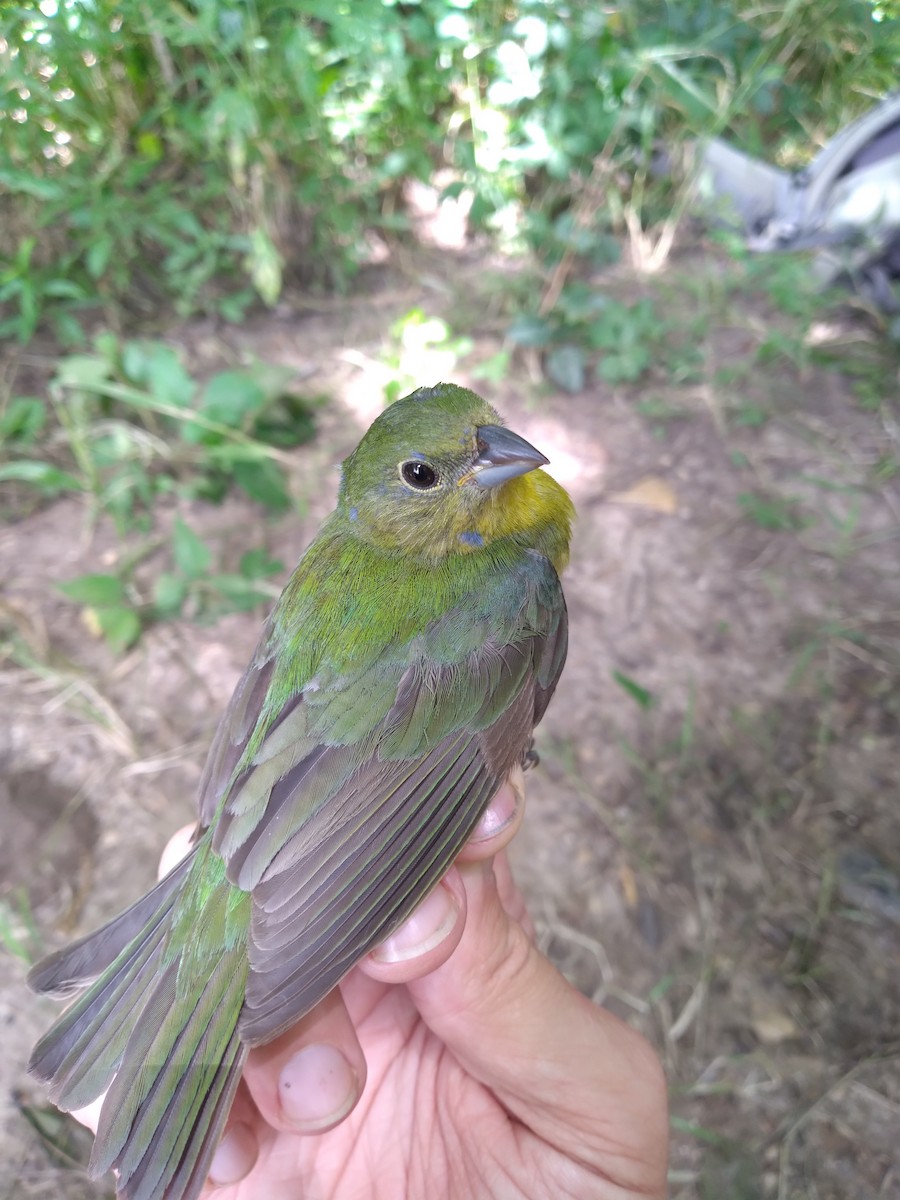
x=334 y=798
x=364 y=789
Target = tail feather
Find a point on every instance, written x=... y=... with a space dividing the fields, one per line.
x=187 y=1131
x=68 y=970
x=157 y=1027
x=179 y=1042
x=189 y=1180
x=80 y=1054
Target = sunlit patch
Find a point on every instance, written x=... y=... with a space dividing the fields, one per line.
x=576 y=465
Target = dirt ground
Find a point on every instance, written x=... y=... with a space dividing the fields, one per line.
x=720 y=866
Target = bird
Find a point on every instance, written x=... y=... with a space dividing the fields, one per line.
x=394 y=687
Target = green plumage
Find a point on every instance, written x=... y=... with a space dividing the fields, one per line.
x=395 y=685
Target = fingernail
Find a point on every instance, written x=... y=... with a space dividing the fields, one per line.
x=500 y=813
x=235 y=1155
x=426 y=928
x=317 y=1088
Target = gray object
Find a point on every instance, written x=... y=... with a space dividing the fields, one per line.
x=845 y=204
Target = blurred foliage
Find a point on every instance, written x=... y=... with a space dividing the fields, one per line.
x=197 y=154
x=126 y=426
x=127 y=423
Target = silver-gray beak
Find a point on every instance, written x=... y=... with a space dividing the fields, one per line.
x=502 y=455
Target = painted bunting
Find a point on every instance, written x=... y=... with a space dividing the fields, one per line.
x=396 y=684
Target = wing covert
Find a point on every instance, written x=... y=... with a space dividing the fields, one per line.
x=360 y=795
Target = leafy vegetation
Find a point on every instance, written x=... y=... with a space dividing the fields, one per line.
x=131 y=424
x=200 y=158
x=125 y=427
x=196 y=156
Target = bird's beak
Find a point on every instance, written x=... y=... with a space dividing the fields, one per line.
x=502 y=455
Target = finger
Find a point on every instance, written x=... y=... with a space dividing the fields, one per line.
x=510 y=897
x=577 y=1076
x=90 y=1114
x=310 y=1078
x=178 y=845
x=500 y=821
x=237 y=1152
x=426 y=939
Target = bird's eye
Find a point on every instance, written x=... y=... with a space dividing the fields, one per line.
x=418 y=474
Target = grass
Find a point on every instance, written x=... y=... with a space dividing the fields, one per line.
x=19 y=933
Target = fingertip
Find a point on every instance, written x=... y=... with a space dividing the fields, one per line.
x=500 y=821
x=177 y=847
x=426 y=939
x=235 y=1156
x=90 y=1114
x=317 y=1088
x=310 y=1078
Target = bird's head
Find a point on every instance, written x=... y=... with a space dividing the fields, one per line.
x=438 y=473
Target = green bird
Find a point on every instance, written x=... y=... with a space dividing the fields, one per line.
x=396 y=684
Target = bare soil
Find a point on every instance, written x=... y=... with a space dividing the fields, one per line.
x=721 y=865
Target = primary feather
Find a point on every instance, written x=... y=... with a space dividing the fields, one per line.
x=395 y=685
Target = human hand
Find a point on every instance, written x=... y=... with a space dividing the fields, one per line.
x=453 y=1062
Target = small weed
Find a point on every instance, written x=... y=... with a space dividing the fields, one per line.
x=751 y=416
x=639 y=694
x=884 y=470
x=588 y=330
x=776 y=513
x=659 y=412
x=114 y=607
x=107 y=610
x=19 y=934
x=126 y=425
x=131 y=424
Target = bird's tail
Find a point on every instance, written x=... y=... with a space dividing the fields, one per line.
x=155 y=1027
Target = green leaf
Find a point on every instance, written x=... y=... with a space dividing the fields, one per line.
x=63 y=289
x=238 y=591
x=263 y=481
x=87 y=371
x=120 y=626
x=565 y=366
x=529 y=331
x=231 y=397
x=97 y=257
x=42 y=475
x=169 y=594
x=30 y=184
x=68 y=329
x=22 y=419
x=256 y=564
x=776 y=513
x=644 y=698
x=156 y=367
x=191 y=554
x=493 y=369
x=95 y=591
x=265 y=265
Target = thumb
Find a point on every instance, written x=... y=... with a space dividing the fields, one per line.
x=578 y=1077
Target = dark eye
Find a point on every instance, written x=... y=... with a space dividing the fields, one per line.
x=419 y=474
